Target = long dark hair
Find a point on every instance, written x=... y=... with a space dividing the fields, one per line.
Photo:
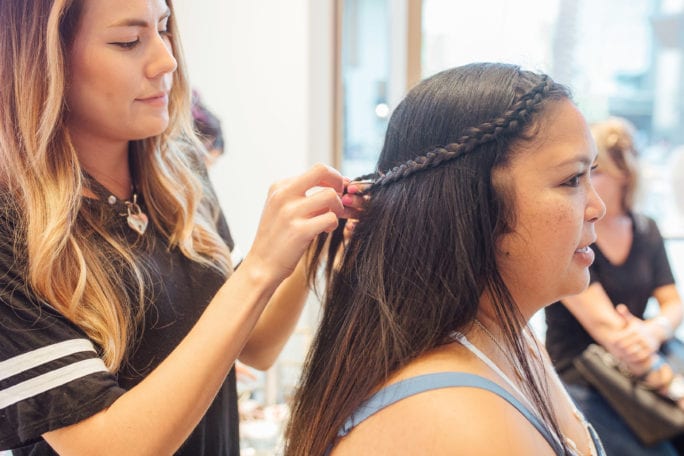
x=423 y=252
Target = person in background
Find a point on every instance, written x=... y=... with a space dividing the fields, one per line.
x=481 y=213
x=121 y=310
x=208 y=128
x=631 y=267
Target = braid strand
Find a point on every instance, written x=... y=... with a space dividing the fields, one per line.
x=510 y=122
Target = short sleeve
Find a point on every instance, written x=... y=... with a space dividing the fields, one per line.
x=50 y=373
x=662 y=272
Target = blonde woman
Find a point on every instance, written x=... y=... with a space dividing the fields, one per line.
x=631 y=267
x=121 y=312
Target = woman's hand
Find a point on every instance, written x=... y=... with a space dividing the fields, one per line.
x=296 y=210
x=635 y=343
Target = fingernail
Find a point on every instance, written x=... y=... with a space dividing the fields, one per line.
x=347 y=199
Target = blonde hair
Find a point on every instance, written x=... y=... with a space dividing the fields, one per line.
x=66 y=265
x=617 y=155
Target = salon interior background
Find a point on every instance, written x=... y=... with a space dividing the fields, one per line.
x=303 y=81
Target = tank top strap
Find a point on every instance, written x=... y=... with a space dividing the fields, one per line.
x=422 y=383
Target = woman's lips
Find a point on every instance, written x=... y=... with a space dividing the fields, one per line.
x=161 y=99
x=585 y=255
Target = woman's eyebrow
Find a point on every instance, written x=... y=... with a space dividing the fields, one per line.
x=139 y=22
x=583 y=159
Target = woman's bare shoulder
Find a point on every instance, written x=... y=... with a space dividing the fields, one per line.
x=454 y=420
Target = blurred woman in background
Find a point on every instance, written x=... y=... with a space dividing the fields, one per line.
x=631 y=267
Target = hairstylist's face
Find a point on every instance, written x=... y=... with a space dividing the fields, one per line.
x=547 y=255
x=120 y=69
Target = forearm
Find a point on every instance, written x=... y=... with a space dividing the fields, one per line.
x=596 y=314
x=670 y=315
x=278 y=320
x=157 y=415
x=665 y=323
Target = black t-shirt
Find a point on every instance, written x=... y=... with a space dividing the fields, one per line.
x=50 y=373
x=631 y=283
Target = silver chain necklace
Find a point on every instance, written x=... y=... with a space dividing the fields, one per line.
x=578 y=415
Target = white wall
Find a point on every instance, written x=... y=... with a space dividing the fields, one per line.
x=265 y=68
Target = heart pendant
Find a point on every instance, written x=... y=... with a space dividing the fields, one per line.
x=137 y=222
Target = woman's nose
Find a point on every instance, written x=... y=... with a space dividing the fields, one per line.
x=162 y=60
x=596 y=208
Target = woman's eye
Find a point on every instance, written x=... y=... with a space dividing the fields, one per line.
x=574 y=181
x=127 y=44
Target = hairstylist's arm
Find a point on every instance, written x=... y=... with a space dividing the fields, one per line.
x=277 y=321
x=283 y=310
x=156 y=416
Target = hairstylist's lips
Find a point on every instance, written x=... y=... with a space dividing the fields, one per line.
x=160 y=99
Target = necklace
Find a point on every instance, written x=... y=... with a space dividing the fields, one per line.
x=577 y=414
x=135 y=218
x=491 y=337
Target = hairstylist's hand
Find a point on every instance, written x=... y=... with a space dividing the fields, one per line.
x=353 y=199
x=635 y=343
x=293 y=215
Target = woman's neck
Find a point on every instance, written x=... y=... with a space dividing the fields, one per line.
x=106 y=162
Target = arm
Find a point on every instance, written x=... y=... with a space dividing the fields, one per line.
x=670 y=316
x=278 y=320
x=629 y=339
x=595 y=312
x=652 y=332
x=158 y=414
x=285 y=307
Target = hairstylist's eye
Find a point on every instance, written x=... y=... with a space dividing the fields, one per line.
x=127 y=44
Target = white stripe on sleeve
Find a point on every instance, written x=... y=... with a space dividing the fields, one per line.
x=236 y=255
x=43 y=355
x=49 y=380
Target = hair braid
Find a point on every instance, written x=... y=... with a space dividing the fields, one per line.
x=510 y=122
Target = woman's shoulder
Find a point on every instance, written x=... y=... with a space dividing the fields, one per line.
x=643 y=223
x=463 y=419
x=446 y=421
x=646 y=229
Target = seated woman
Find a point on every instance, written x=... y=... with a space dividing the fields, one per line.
x=481 y=213
x=631 y=267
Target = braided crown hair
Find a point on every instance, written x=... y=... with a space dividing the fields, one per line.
x=509 y=123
